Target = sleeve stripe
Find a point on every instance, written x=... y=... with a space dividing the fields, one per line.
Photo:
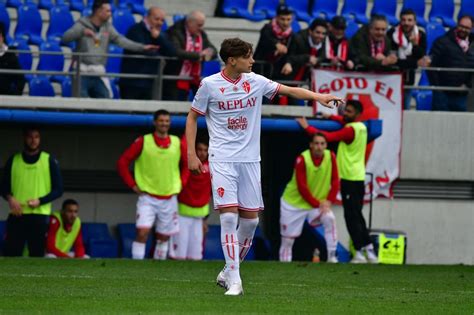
x=276 y=91
x=198 y=111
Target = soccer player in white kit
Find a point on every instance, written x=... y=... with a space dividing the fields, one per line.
x=231 y=101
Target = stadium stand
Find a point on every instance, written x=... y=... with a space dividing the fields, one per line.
x=60 y=20
x=467 y=8
x=355 y=10
x=14 y=3
x=239 y=9
x=40 y=86
x=122 y=20
x=4 y=18
x=136 y=6
x=419 y=7
x=387 y=8
x=433 y=31
x=45 y=4
x=424 y=100
x=352 y=28
x=442 y=10
x=324 y=9
x=126 y=234
x=210 y=67
x=212 y=244
x=300 y=9
x=51 y=62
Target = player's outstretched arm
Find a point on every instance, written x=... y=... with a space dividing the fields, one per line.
x=326 y=100
x=194 y=164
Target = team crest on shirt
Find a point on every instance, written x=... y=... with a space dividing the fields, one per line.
x=220 y=191
x=246 y=86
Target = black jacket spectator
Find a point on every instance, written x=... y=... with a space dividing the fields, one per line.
x=410 y=63
x=299 y=54
x=360 y=50
x=446 y=53
x=139 y=33
x=10 y=84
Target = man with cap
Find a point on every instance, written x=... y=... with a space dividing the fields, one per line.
x=336 y=46
x=272 y=47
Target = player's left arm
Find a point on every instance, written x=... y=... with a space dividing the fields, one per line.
x=326 y=100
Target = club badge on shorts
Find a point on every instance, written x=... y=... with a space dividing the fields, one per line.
x=220 y=192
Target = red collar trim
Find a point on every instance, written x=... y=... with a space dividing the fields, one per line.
x=229 y=79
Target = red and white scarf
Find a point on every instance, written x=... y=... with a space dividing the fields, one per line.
x=279 y=33
x=405 y=46
x=463 y=43
x=342 y=49
x=191 y=68
x=377 y=47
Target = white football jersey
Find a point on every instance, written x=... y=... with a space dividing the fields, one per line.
x=233 y=110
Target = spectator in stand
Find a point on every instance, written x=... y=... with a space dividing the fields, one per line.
x=336 y=45
x=31 y=181
x=306 y=51
x=157 y=182
x=453 y=50
x=271 y=53
x=65 y=233
x=370 y=47
x=308 y=196
x=410 y=43
x=93 y=35
x=10 y=84
x=192 y=47
x=350 y=160
x=147 y=32
x=193 y=206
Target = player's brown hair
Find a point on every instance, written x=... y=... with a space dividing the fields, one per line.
x=235 y=47
x=318 y=134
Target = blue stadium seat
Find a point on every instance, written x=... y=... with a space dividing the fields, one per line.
x=387 y=8
x=25 y=59
x=137 y=6
x=127 y=234
x=239 y=9
x=40 y=86
x=60 y=20
x=114 y=63
x=423 y=82
x=295 y=25
x=324 y=9
x=442 y=10
x=49 y=62
x=419 y=7
x=210 y=67
x=98 y=241
x=424 y=100
x=87 y=11
x=212 y=244
x=76 y=5
x=467 y=8
x=45 y=4
x=433 y=31
x=300 y=9
x=2 y=236
x=178 y=17
x=352 y=28
x=14 y=3
x=66 y=87
x=122 y=20
x=265 y=8
x=355 y=10
x=29 y=24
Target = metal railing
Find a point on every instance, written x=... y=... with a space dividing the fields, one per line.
x=76 y=73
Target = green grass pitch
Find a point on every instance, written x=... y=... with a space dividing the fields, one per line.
x=38 y=286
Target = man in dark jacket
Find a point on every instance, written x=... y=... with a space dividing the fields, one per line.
x=336 y=45
x=147 y=32
x=370 y=47
x=410 y=43
x=453 y=50
x=306 y=50
x=192 y=47
x=10 y=84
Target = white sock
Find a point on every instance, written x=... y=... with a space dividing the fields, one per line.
x=286 y=249
x=161 y=250
x=245 y=234
x=138 y=250
x=230 y=244
x=330 y=233
x=369 y=247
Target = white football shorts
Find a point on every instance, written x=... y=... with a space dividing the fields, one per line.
x=236 y=184
x=163 y=212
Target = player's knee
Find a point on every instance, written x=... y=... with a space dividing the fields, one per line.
x=162 y=237
x=287 y=242
x=142 y=235
x=229 y=220
x=328 y=218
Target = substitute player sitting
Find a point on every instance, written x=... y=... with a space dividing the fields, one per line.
x=157 y=182
x=65 y=233
x=309 y=195
x=232 y=103
x=193 y=208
